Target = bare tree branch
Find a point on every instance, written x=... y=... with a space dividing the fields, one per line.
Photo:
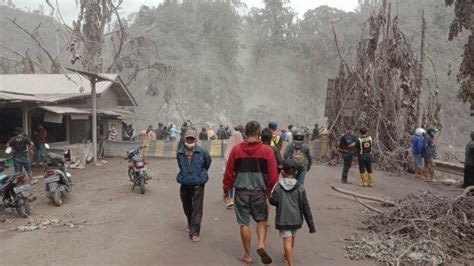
x=54 y=63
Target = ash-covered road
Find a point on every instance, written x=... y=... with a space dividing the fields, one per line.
x=113 y=225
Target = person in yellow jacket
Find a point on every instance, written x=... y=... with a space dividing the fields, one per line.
x=364 y=153
x=276 y=139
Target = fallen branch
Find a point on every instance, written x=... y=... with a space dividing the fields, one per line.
x=368 y=206
x=347 y=192
x=465 y=193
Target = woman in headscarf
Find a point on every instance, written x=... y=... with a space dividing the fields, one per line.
x=234 y=140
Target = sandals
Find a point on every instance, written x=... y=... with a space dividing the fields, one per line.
x=195 y=239
x=264 y=256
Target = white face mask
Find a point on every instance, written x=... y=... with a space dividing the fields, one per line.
x=190 y=145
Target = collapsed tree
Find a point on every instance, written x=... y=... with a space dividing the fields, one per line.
x=383 y=90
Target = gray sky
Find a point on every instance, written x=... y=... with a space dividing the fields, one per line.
x=69 y=9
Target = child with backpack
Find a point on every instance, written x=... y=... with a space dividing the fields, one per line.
x=298 y=150
x=289 y=198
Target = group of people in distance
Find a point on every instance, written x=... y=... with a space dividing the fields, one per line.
x=251 y=181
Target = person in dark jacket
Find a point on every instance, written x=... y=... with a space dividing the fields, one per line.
x=289 y=197
x=346 y=148
x=298 y=150
x=469 y=163
x=267 y=140
x=429 y=153
x=193 y=162
x=203 y=135
x=252 y=170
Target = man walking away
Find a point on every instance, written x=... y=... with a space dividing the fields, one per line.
x=221 y=133
x=346 y=148
x=159 y=132
x=276 y=140
x=203 y=134
x=289 y=197
x=193 y=162
x=267 y=140
x=315 y=135
x=469 y=163
x=289 y=135
x=298 y=150
x=21 y=146
x=364 y=152
x=252 y=170
x=429 y=153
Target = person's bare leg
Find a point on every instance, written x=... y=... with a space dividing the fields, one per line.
x=288 y=247
x=246 y=241
x=261 y=234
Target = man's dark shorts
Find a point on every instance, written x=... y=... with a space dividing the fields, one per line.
x=250 y=203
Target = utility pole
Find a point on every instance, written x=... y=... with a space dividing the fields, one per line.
x=93 y=79
x=94 y=116
x=419 y=83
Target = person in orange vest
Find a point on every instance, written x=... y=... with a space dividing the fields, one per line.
x=364 y=154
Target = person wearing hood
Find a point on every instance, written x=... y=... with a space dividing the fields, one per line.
x=193 y=162
x=469 y=163
x=252 y=170
x=418 y=146
x=292 y=206
x=298 y=150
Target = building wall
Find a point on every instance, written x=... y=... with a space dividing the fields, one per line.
x=108 y=100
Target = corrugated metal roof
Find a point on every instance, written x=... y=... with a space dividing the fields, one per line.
x=65 y=110
x=12 y=97
x=45 y=84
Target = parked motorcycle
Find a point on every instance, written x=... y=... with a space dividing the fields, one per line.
x=137 y=171
x=57 y=179
x=15 y=190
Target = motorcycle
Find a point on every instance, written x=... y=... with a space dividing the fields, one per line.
x=57 y=179
x=137 y=171
x=15 y=191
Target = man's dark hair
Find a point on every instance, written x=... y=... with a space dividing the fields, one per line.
x=349 y=127
x=290 y=127
x=252 y=128
x=266 y=135
x=364 y=130
x=18 y=130
x=203 y=129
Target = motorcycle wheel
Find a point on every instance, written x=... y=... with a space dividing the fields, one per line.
x=57 y=199
x=142 y=184
x=24 y=209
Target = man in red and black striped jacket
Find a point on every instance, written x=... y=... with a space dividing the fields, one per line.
x=252 y=170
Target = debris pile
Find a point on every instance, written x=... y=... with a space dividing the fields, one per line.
x=46 y=223
x=420 y=229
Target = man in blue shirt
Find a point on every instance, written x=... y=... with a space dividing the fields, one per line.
x=193 y=162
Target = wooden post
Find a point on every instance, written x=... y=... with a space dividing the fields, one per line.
x=24 y=117
x=94 y=117
x=419 y=85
